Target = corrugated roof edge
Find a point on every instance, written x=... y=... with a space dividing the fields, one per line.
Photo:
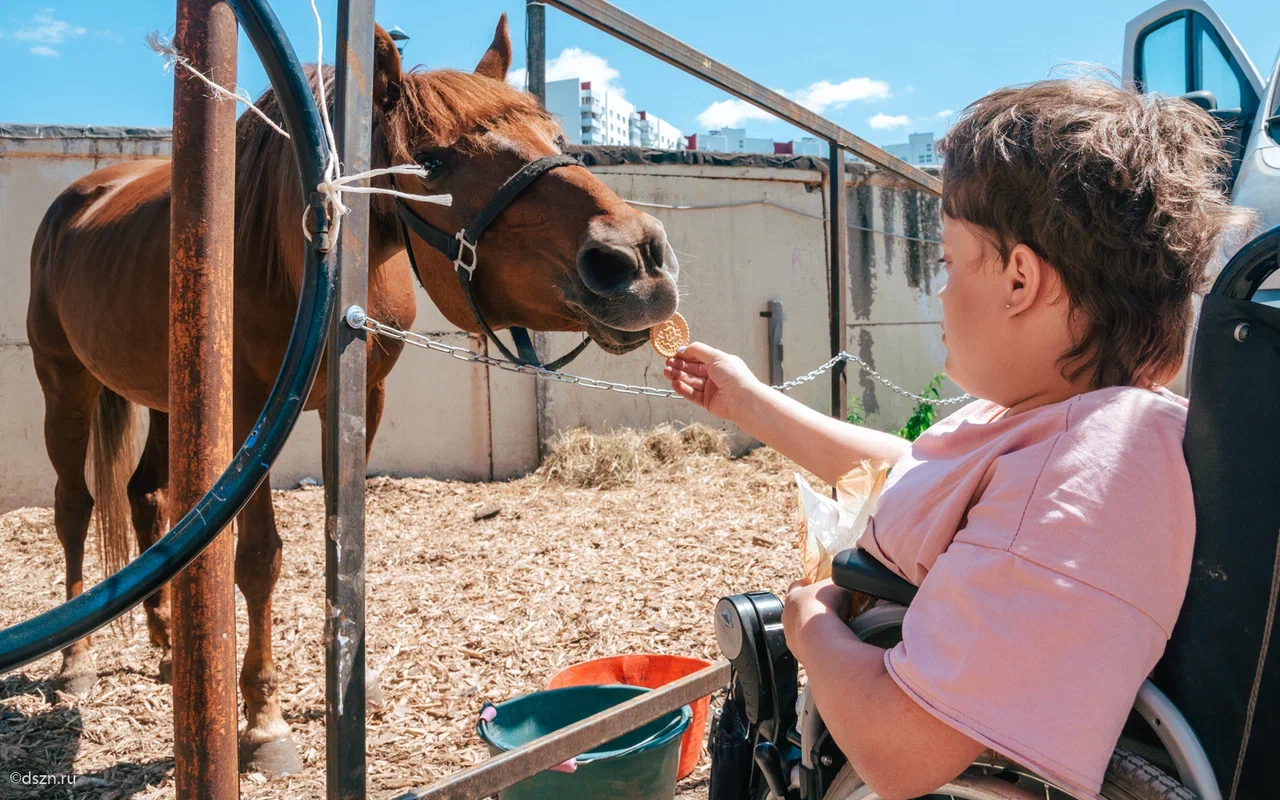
x=16 y=130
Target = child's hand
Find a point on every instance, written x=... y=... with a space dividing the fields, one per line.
x=712 y=379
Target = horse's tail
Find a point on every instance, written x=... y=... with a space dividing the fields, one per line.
x=111 y=437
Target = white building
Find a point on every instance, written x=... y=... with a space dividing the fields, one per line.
x=651 y=131
x=917 y=150
x=606 y=118
x=733 y=140
x=736 y=140
x=809 y=146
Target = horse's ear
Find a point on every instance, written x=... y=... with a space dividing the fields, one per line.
x=386 y=69
x=497 y=59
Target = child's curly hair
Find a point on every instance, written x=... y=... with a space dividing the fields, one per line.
x=1122 y=193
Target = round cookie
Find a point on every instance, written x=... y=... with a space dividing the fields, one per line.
x=670 y=336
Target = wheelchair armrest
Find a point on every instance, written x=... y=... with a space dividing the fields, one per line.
x=857 y=570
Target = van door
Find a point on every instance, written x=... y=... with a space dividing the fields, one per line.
x=1182 y=48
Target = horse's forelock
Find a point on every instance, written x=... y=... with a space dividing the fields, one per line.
x=449 y=108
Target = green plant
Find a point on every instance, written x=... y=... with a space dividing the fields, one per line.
x=857 y=415
x=925 y=412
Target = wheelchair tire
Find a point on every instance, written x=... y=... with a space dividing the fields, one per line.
x=1129 y=777
x=1132 y=777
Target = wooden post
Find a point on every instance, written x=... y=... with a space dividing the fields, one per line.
x=201 y=251
x=345 y=422
x=836 y=211
x=774 y=314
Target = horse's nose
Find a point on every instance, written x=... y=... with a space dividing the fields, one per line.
x=611 y=261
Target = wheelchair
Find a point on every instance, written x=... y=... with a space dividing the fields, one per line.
x=1206 y=723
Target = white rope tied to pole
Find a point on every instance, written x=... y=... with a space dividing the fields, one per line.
x=334 y=183
x=165 y=49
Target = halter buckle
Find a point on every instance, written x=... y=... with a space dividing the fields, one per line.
x=465 y=247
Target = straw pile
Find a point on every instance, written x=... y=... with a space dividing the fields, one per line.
x=621 y=543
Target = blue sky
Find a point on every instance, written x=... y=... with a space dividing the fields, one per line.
x=879 y=69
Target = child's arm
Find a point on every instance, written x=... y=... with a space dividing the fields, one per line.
x=827 y=447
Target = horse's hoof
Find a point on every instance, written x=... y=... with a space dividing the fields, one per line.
x=166 y=669
x=274 y=758
x=79 y=683
x=373 y=696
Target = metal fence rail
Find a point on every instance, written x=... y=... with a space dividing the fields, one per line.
x=498 y=773
x=637 y=33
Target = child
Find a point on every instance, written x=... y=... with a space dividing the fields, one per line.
x=1049 y=524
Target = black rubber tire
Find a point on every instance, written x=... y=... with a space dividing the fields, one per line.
x=1132 y=777
x=1129 y=777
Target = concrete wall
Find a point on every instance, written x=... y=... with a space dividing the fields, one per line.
x=446 y=418
x=35 y=165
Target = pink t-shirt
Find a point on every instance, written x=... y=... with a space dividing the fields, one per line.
x=1052 y=550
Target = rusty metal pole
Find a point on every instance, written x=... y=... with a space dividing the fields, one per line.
x=345 y=433
x=535 y=42
x=201 y=248
x=836 y=211
x=535 y=53
x=773 y=313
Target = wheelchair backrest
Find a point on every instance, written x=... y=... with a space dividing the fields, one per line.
x=1222 y=666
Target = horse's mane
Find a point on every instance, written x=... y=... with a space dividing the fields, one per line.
x=435 y=108
x=452 y=106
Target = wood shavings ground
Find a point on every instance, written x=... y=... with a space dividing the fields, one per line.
x=460 y=610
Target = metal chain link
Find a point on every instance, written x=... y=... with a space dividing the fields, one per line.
x=357 y=318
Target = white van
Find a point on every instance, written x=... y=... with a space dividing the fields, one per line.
x=1183 y=48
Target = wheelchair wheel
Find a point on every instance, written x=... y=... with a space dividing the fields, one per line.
x=1129 y=777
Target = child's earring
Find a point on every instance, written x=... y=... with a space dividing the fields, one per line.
x=1007 y=305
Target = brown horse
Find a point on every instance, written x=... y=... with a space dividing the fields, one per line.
x=567 y=255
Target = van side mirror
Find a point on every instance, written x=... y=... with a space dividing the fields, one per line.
x=1203 y=98
x=1272 y=126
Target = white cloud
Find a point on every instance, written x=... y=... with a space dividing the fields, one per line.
x=45 y=29
x=42 y=50
x=819 y=97
x=884 y=122
x=574 y=62
x=944 y=113
x=730 y=114
x=824 y=95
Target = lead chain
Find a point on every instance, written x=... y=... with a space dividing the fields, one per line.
x=358 y=319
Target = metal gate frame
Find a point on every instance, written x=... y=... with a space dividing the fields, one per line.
x=619 y=24
x=505 y=770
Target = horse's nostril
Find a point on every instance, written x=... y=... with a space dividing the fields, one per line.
x=656 y=249
x=607 y=269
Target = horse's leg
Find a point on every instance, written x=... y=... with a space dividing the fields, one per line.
x=265 y=744
x=148 y=496
x=70 y=393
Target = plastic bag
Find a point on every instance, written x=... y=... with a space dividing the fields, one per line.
x=828 y=526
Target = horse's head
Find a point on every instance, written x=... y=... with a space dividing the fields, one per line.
x=567 y=255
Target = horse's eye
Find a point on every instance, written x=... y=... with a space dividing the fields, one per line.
x=430 y=164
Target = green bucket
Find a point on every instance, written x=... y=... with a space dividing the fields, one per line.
x=640 y=765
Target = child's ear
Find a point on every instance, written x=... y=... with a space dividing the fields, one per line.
x=1024 y=279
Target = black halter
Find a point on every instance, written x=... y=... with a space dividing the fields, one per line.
x=460 y=248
